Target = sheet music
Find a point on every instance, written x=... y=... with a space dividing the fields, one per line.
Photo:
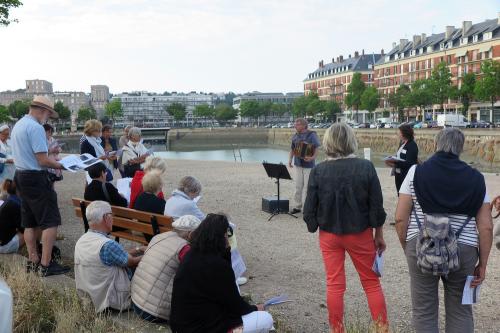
x=239 y=266
x=123 y=186
x=470 y=295
x=378 y=264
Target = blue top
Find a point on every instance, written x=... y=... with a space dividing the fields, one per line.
x=112 y=253
x=308 y=137
x=179 y=204
x=27 y=139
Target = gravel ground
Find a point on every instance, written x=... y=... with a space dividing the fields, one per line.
x=282 y=257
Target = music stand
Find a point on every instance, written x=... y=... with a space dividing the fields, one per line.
x=278 y=171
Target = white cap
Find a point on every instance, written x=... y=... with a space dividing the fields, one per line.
x=186 y=223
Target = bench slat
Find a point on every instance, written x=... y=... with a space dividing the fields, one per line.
x=129 y=236
x=133 y=225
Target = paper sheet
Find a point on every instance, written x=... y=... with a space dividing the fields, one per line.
x=393 y=158
x=470 y=295
x=76 y=163
x=378 y=264
x=276 y=300
x=123 y=186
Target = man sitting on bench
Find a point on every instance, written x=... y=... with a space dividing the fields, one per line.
x=101 y=264
x=99 y=189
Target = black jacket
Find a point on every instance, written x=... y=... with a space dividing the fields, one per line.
x=148 y=202
x=86 y=148
x=410 y=157
x=94 y=192
x=344 y=197
x=10 y=220
x=205 y=298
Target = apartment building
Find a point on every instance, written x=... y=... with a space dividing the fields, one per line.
x=462 y=48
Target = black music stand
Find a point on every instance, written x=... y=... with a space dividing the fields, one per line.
x=278 y=171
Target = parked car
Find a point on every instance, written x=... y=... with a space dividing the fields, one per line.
x=391 y=125
x=452 y=120
x=364 y=125
x=268 y=126
x=290 y=125
x=374 y=125
x=480 y=124
x=419 y=125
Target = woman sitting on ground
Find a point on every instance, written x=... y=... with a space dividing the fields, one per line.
x=134 y=153
x=152 y=163
x=205 y=297
x=182 y=200
x=11 y=232
x=99 y=189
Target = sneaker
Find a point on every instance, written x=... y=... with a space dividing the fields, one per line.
x=241 y=281
x=295 y=211
x=32 y=267
x=53 y=269
x=56 y=252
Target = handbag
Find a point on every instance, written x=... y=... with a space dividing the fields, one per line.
x=130 y=169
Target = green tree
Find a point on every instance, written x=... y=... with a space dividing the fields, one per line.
x=250 y=109
x=86 y=113
x=177 y=111
x=370 y=99
x=331 y=109
x=63 y=111
x=299 y=106
x=488 y=86
x=315 y=107
x=266 y=109
x=354 y=92
x=225 y=112
x=114 y=109
x=5 y=7
x=204 y=111
x=18 y=108
x=421 y=95
x=279 y=109
x=4 y=114
x=440 y=84
x=466 y=92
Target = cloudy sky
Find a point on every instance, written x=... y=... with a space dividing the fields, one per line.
x=210 y=46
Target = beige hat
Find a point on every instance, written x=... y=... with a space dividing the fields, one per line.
x=186 y=223
x=46 y=104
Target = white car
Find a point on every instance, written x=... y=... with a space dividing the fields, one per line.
x=373 y=125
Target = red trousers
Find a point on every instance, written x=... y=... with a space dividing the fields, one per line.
x=361 y=249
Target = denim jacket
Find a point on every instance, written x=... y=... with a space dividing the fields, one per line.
x=344 y=197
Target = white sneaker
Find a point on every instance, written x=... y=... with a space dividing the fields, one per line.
x=241 y=281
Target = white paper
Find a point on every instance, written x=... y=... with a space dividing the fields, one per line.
x=123 y=186
x=393 y=158
x=470 y=295
x=197 y=199
x=239 y=266
x=378 y=264
x=367 y=153
x=276 y=300
x=76 y=163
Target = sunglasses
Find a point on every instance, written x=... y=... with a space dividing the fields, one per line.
x=230 y=232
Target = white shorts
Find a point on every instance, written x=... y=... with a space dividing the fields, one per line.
x=10 y=247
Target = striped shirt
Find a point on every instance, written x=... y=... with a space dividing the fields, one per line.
x=468 y=236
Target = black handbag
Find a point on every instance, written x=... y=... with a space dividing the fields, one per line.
x=130 y=169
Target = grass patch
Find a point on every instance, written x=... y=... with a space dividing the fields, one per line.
x=39 y=308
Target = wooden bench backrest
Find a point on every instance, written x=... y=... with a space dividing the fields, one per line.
x=130 y=219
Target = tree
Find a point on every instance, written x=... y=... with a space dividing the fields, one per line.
x=299 y=106
x=225 y=113
x=250 y=109
x=4 y=114
x=63 y=111
x=265 y=109
x=488 y=86
x=370 y=99
x=177 y=111
x=314 y=107
x=440 y=84
x=86 y=113
x=279 y=109
x=466 y=92
x=420 y=95
x=5 y=7
x=331 y=109
x=204 y=111
x=114 y=109
x=354 y=92
x=17 y=109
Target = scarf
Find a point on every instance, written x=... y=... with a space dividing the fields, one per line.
x=446 y=185
x=99 y=150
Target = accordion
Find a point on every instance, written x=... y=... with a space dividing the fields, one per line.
x=303 y=149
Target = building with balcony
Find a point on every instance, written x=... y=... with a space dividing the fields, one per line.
x=462 y=48
x=330 y=81
x=145 y=109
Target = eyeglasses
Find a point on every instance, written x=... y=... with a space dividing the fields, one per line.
x=230 y=232
x=108 y=214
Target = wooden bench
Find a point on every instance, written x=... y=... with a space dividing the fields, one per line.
x=136 y=223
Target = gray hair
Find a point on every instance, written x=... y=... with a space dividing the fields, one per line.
x=450 y=140
x=134 y=131
x=302 y=121
x=189 y=184
x=155 y=163
x=340 y=140
x=96 y=210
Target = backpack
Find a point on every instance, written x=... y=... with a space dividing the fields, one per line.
x=437 y=247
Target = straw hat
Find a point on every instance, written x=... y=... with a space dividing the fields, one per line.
x=46 y=104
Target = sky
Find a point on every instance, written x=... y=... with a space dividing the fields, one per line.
x=208 y=45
